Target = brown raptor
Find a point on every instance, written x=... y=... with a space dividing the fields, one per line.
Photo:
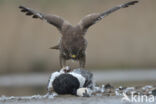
x=73 y=44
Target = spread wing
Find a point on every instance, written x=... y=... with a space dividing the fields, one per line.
x=52 y=19
x=91 y=19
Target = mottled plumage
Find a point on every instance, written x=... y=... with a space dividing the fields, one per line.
x=73 y=44
x=76 y=82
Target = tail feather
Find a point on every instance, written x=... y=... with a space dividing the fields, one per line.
x=55 y=47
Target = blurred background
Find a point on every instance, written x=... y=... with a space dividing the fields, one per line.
x=123 y=41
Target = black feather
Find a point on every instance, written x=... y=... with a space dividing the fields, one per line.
x=66 y=84
x=35 y=16
x=129 y=3
x=21 y=7
x=23 y=10
x=29 y=13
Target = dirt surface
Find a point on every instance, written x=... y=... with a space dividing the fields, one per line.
x=106 y=94
x=68 y=100
x=74 y=100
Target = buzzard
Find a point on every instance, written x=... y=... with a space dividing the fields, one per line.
x=72 y=44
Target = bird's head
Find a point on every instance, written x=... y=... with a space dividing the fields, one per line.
x=73 y=56
x=75 y=52
x=77 y=47
x=74 y=45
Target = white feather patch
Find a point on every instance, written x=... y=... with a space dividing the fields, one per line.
x=52 y=78
x=38 y=14
x=56 y=74
x=84 y=92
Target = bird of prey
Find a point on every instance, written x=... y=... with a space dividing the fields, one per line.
x=73 y=44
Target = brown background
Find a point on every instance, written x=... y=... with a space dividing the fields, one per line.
x=124 y=39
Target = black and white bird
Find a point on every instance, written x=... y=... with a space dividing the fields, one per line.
x=77 y=82
x=73 y=43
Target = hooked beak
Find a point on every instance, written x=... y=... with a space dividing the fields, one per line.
x=73 y=56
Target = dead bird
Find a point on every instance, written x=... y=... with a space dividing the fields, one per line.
x=77 y=82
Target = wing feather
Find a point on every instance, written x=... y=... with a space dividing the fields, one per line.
x=52 y=19
x=91 y=19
